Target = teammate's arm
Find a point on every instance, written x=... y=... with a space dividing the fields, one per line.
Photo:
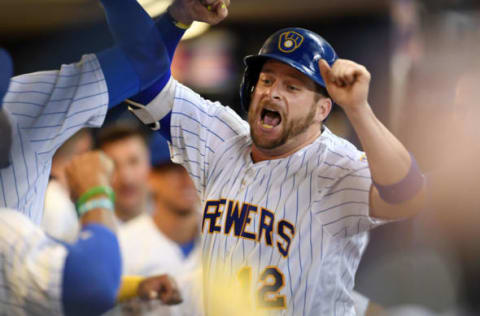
x=194 y=126
x=92 y=271
x=390 y=163
x=161 y=287
x=172 y=25
x=79 y=93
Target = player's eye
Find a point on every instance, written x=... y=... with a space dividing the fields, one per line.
x=265 y=81
x=292 y=88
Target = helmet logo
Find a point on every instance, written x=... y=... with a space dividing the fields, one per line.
x=289 y=41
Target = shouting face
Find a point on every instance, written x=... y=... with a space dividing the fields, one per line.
x=286 y=110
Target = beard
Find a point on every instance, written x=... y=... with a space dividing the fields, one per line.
x=291 y=128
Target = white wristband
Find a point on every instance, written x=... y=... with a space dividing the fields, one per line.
x=104 y=203
x=158 y=108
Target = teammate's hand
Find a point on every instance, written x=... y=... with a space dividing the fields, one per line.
x=161 y=287
x=87 y=171
x=208 y=11
x=347 y=83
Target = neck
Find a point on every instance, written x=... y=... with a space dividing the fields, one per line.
x=179 y=228
x=260 y=154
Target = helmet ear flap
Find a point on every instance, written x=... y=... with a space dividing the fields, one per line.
x=250 y=78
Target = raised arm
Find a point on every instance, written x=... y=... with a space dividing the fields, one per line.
x=172 y=25
x=398 y=189
x=91 y=275
x=43 y=109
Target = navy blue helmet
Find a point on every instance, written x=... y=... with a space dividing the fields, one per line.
x=297 y=47
x=6 y=70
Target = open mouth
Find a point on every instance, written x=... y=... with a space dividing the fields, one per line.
x=270 y=118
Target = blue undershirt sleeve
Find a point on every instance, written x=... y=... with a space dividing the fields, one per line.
x=92 y=272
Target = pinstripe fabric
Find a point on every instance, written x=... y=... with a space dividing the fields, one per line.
x=304 y=216
x=45 y=109
x=31 y=266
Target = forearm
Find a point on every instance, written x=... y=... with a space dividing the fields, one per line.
x=138 y=58
x=129 y=287
x=100 y=216
x=398 y=189
x=388 y=160
x=92 y=271
x=171 y=35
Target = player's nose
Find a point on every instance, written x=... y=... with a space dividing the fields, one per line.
x=273 y=91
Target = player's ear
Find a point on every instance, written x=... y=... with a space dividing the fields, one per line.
x=324 y=106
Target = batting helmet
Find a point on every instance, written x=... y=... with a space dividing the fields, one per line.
x=299 y=48
x=6 y=70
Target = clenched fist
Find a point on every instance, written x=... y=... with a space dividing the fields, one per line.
x=161 y=287
x=87 y=171
x=347 y=83
x=208 y=11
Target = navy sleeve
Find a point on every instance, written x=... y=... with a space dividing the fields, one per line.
x=171 y=36
x=139 y=57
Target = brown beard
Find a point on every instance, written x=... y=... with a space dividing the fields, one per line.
x=292 y=129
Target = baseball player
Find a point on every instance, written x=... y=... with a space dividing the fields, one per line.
x=287 y=204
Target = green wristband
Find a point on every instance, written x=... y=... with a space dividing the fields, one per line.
x=104 y=203
x=96 y=191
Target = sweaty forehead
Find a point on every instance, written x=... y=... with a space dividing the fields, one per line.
x=276 y=67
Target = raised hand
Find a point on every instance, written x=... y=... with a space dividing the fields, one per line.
x=208 y=11
x=87 y=171
x=347 y=83
x=161 y=287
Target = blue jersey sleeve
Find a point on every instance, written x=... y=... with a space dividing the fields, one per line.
x=92 y=272
x=139 y=57
x=171 y=36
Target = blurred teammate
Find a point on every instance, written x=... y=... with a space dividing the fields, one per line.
x=46 y=108
x=167 y=240
x=126 y=145
x=287 y=204
x=41 y=276
x=453 y=191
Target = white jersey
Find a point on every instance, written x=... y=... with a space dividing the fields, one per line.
x=60 y=218
x=45 y=109
x=294 y=227
x=31 y=266
x=146 y=251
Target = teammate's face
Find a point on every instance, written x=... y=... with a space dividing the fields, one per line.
x=174 y=189
x=286 y=110
x=130 y=180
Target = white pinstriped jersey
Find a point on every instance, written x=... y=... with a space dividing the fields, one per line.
x=45 y=109
x=31 y=266
x=294 y=228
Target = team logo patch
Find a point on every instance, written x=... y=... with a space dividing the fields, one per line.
x=289 y=41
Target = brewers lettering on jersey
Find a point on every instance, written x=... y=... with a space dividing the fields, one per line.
x=287 y=204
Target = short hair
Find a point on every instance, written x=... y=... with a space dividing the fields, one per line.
x=167 y=166
x=321 y=90
x=119 y=131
